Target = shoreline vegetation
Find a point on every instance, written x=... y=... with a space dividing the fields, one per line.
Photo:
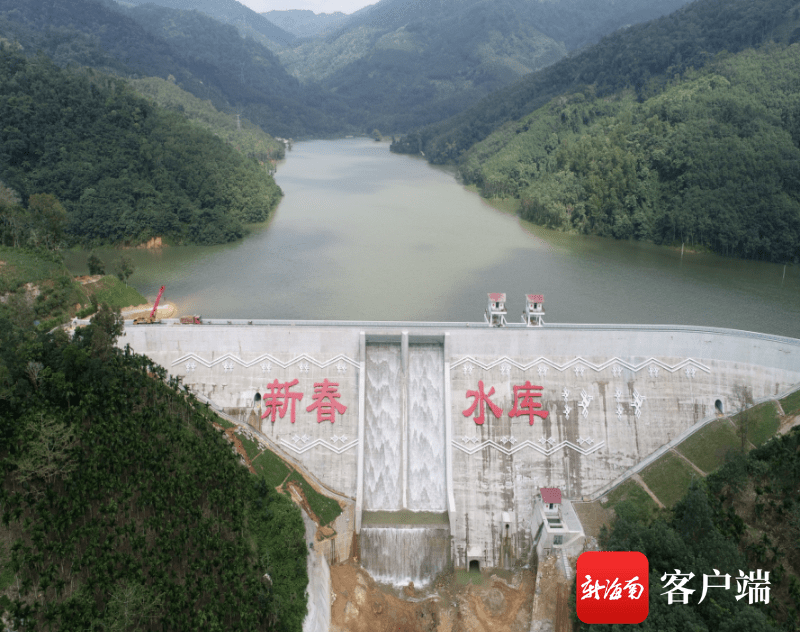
x=117 y=169
x=708 y=161
x=511 y=207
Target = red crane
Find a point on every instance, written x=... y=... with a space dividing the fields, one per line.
x=155 y=305
x=151 y=318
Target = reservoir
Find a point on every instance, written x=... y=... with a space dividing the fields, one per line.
x=363 y=234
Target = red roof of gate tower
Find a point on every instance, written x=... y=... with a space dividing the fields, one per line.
x=551 y=495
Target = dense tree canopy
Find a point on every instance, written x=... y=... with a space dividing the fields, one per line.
x=209 y=59
x=710 y=160
x=717 y=526
x=125 y=507
x=642 y=57
x=123 y=169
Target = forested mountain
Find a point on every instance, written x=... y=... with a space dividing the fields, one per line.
x=245 y=73
x=401 y=63
x=745 y=516
x=248 y=139
x=124 y=169
x=640 y=56
x=393 y=66
x=207 y=58
x=87 y=33
x=576 y=23
x=712 y=160
x=243 y=18
x=305 y=23
x=123 y=508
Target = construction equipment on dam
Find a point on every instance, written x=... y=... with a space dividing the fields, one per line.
x=151 y=318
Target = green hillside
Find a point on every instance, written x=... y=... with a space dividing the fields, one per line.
x=248 y=22
x=305 y=23
x=400 y=64
x=122 y=507
x=643 y=57
x=241 y=134
x=741 y=518
x=207 y=58
x=247 y=75
x=36 y=286
x=406 y=72
x=123 y=169
x=711 y=161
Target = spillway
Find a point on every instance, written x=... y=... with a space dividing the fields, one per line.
x=427 y=488
x=399 y=555
x=318 y=617
x=383 y=429
x=404 y=463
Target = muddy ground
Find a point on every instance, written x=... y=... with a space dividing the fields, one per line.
x=360 y=604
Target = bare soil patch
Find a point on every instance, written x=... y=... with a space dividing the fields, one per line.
x=546 y=613
x=788 y=422
x=88 y=279
x=165 y=311
x=360 y=604
x=237 y=444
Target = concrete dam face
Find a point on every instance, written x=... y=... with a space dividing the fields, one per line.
x=443 y=434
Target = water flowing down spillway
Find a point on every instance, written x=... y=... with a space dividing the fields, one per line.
x=404 y=465
x=427 y=488
x=398 y=556
x=383 y=429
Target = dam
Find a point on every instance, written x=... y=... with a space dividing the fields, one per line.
x=444 y=434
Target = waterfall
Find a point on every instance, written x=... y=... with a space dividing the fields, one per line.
x=426 y=463
x=404 y=419
x=399 y=555
x=383 y=429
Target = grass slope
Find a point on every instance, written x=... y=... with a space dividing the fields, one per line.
x=36 y=286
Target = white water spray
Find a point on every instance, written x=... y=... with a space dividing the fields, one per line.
x=397 y=556
x=383 y=429
x=426 y=462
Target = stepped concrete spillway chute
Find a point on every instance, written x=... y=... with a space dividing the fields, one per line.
x=399 y=555
x=384 y=480
x=467 y=420
x=427 y=480
x=404 y=469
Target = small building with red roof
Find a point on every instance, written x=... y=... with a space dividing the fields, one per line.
x=533 y=316
x=556 y=525
x=496 y=309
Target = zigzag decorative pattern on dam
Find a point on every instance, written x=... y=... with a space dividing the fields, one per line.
x=578 y=359
x=529 y=444
x=264 y=357
x=308 y=445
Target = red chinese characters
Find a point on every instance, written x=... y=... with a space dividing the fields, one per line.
x=324 y=403
x=280 y=398
x=482 y=398
x=277 y=401
x=524 y=404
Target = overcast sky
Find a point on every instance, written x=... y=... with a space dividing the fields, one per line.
x=317 y=6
